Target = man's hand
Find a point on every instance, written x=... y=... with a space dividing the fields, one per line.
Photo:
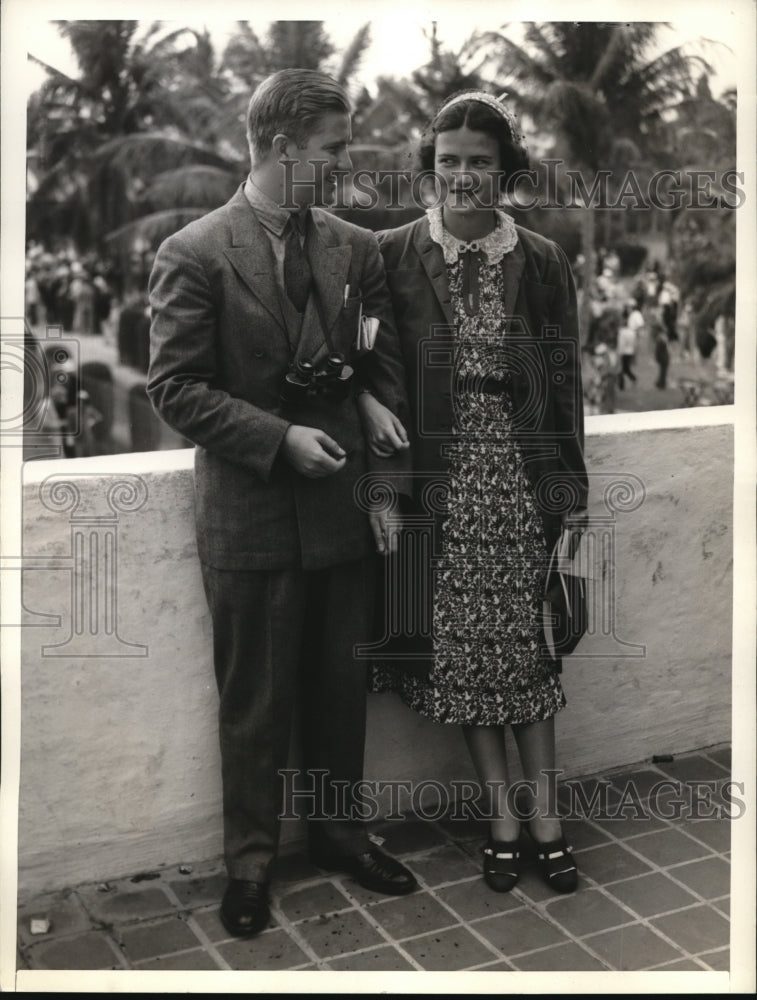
x=311 y=452
x=384 y=431
x=386 y=539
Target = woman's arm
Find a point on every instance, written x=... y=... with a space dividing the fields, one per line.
x=384 y=431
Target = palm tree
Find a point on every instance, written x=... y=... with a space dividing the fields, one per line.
x=83 y=129
x=288 y=45
x=404 y=106
x=593 y=85
x=151 y=133
x=703 y=241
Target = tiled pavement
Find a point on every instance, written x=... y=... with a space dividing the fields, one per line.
x=653 y=894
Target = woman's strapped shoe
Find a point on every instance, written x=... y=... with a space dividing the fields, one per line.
x=556 y=865
x=502 y=864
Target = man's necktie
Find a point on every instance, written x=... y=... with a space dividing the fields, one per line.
x=297 y=275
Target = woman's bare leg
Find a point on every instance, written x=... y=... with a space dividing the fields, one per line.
x=486 y=745
x=536 y=746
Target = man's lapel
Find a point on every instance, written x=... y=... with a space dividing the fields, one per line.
x=329 y=264
x=251 y=256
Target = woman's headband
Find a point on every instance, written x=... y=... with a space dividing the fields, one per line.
x=495 y=103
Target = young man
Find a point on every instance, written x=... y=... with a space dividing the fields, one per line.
x=248 y=302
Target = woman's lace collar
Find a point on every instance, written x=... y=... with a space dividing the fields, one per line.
x=501 y=240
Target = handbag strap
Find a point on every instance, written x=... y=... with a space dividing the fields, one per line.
x=555 y=568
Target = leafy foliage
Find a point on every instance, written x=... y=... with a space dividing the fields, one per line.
x=151 y=131
x=607 y=96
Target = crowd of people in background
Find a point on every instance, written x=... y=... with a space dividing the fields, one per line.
x=67 y=290
x=629 y=317
x=77 y=294
x=645 y=315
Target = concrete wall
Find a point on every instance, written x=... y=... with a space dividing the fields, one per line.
x=119 y=762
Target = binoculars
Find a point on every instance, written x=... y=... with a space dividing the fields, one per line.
x=305 y=380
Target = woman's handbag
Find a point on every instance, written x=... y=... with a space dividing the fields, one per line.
x=565 y=604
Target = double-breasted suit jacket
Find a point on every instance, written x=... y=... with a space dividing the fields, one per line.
x=540 y=343
x=220 y=348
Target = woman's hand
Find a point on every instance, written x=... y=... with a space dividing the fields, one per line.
x=386 y=526
x=384 y=431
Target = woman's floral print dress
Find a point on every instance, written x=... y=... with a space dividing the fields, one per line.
x=489 y=579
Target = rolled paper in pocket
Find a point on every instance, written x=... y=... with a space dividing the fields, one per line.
x=367 y=333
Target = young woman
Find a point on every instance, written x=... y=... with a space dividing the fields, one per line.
x=486 y=312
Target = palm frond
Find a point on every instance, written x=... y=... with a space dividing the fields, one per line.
x=517 y=63
x=547 y=48
x=55 y=73
x=166 y=43
x=608 y=56
x=192 y=185
x=153 y=228
x=353 y=54
x=144 y=149
x=672 y=70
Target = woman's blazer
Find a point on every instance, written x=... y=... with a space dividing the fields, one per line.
x=540 y=349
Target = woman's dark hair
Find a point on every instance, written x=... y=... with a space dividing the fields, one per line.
x=292 y=101
x=478 y=117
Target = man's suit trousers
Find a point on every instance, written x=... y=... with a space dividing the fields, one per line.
x=276 y=635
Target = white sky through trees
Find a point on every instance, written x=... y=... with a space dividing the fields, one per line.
x=398 y=45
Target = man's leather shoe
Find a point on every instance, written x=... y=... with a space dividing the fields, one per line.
x=374 y=869
x=244 y=908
